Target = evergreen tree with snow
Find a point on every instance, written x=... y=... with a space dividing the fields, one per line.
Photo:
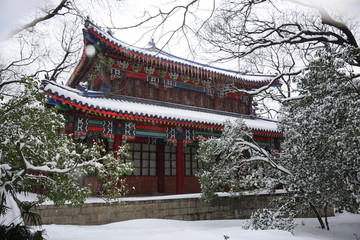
x=322 y=136
x=319 y=162
x=234 y=162
x=34 y=152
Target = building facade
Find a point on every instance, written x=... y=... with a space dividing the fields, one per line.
x=160 y=104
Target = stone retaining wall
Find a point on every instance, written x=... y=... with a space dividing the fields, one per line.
x=179 y=209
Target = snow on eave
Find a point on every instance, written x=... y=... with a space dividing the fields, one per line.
x=152 y=110
x=155 y=52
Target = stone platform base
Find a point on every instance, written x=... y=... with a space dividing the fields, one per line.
x=179 y=209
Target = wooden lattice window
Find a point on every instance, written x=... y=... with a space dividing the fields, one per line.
x=236 y=106
x=116 y=86
x=186 y=98
x=143 y=157
x=152 y=92
x=129 y=87
x=177 y=93
x=244 y=108
x=170 y=160
x=191 y=165
x=193 y=98
x=139 y=89
x=229 y=106
x=221 y=104
x=169 y=95
x=201 y=100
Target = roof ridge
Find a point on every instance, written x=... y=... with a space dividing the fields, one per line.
x=178 y=106
x=245 y=73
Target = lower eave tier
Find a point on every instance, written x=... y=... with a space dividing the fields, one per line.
x=153 y=111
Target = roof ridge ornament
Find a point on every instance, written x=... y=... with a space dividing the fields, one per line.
x=152 y=43
x=110 y=32
x=87 y=21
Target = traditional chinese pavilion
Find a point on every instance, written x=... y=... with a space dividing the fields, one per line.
x=158 y=103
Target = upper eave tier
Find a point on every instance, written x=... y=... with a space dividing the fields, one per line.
x=136 y=109
x=198 y=73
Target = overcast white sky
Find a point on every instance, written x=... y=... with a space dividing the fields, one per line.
x=12 y=10
x=127 y=12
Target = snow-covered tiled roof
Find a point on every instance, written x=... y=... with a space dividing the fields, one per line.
x=124 y=106
x=243 y=75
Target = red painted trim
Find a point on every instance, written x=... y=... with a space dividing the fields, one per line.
x=135 y=75
x=188 y=70
x=196 y=125
x=260 y=139
x=103 y=40
x=279 y=135
x=95 y=129
x=96 y=81
x=150 y=128
x=117 y=144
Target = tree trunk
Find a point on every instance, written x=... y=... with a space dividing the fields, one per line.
x=2 y=202
x=326 y=220
x=317 y=215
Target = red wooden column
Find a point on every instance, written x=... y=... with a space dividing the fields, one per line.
x=123 y=89
x=216 y=102
x=225 y=104
x=107 y=77
x=161 y=92
x=117 y=137
x=250 y=105
x=117 y=143
x=179 y=167
x=146 y=92
x=160 y=167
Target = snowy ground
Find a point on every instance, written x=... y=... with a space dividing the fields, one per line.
x=343 y=227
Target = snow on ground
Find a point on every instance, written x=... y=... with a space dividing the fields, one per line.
x=343 y=227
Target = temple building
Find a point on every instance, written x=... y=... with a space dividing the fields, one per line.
x=160 y=104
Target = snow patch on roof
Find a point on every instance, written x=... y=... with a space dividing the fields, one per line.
x=154 y=110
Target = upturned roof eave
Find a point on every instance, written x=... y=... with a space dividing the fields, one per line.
x=95 y=35
x=133 y=109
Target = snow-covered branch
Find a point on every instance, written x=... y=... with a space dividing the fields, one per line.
x=294 y=98
x=267 y=86
x=266 y=158
x=267 y=161
x=47 y=170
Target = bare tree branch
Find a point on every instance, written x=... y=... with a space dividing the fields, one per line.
x=267 y=86
x=33 y=23
x=242 y=25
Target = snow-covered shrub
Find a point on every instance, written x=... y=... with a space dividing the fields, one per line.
x=19 y=231
x=265 y=219
x=234 y=162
